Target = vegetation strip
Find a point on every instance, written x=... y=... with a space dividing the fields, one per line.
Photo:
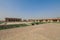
x=19 y=25
x=12 y=26
x=36 y=23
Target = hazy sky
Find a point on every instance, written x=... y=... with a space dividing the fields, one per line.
x=30 y=8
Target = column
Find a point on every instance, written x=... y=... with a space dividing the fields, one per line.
x=44 y=20
x=57 y=20
x=51 y=20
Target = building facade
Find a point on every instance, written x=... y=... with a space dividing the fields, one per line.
x=13 y=19
x=31 y=20
x=45 y=20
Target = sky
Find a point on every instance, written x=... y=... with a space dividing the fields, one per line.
x=29 y=9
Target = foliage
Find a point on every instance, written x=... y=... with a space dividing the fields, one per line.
x=12 y=26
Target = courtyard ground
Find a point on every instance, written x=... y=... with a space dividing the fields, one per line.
x=50 y=31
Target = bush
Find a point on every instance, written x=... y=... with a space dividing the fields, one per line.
x=33 y=24
x=1 y=22
x=37 y=23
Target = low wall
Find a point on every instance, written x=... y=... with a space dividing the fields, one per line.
x=17 y=23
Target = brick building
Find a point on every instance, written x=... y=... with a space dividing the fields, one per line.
x=45 y=20
x=31 y=20
x=13 y=19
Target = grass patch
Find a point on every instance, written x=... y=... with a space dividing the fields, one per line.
x=12 y=26
x=37 y=23
x=1 y=22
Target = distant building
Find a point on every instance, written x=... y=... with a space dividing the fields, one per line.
x=45 y=20
x=32 y=20
x=13 y=19
x=24 y=20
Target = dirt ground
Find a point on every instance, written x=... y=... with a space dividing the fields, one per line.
x=49 y=31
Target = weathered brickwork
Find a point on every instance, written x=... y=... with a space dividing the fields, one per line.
x=31 y=20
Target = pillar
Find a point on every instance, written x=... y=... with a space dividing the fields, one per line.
x=44 y=20
x=57 y=20
x=48 y=21
x=51 y=20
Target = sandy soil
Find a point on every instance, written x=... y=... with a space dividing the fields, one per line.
x=37 y=32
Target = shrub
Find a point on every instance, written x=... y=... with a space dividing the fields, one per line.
x=33 y=24
x=37 y=23
x=1 y=22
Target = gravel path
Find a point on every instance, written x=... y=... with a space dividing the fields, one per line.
x=37 y=32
